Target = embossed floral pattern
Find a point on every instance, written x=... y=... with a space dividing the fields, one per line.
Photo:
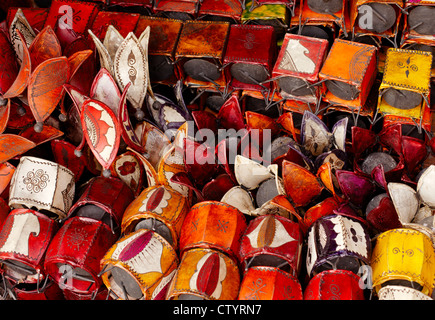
x=36 y=181
x=77 y=238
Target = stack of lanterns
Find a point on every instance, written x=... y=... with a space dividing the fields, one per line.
x=141 y=264
x=91 y=227
x=59 y=253
x=270 y=252
x=209 y=243
x=42 y=192
x=125 y=189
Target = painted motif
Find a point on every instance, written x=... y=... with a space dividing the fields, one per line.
x=102 y=131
